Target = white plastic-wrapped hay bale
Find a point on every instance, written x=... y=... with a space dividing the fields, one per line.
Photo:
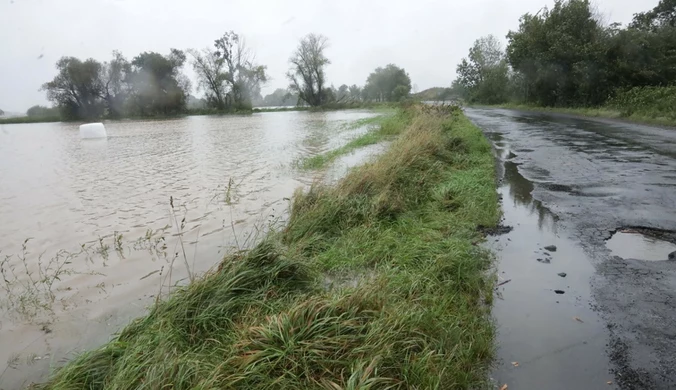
x=93 y=130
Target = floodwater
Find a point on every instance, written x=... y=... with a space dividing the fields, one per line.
x=115 y=222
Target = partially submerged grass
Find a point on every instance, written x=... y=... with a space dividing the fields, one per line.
x=384 y=127
x=403 y=229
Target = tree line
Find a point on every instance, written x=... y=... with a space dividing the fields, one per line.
x=153 y=84
x=566 y=57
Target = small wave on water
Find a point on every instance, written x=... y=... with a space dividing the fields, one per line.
x=114 y=224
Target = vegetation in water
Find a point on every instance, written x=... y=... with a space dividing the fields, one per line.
x=566 y=57
x=383 y=126
x=228 y=74
x=376 y=282
x=29 y=287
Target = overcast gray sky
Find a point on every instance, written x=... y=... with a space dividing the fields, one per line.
x=426 y=37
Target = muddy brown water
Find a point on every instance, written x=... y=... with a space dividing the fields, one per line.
x=229 y=177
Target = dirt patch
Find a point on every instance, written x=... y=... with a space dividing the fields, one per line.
x=496 y=230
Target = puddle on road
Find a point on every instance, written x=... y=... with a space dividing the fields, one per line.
x=634 y=245
x=542 y=309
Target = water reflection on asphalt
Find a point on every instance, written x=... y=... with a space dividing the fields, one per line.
x=546 y=340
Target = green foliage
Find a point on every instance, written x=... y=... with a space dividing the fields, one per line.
x=662 y=16
x=388 y=84
x=116 y=84
x=243 y=77
x=559 y=52
x=42 y=112
x=150 y=85
x=306 y=75
x=158 y=86
x=565 y=57
x=654 y=102
x=375 y=283
x=76 y=89
x=641 y=57
x=483 y=76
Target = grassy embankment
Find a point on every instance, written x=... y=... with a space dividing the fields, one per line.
x=375 y=283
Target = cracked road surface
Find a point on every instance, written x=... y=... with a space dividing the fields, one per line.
x=582 y=316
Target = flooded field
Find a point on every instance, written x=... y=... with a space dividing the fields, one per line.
x=94 y=230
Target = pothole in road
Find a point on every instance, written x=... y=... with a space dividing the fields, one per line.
x=641 y=244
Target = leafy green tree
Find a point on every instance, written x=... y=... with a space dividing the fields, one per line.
x=483 y=75
x=458 y=90
x=307 y=73
x=560 y=53
x=243 y=76
x=115 y=87
x=564 y=56
x=211 y=77
x=645 y=53
x=663 y=15
x=158 y=87
x=76 y=89
x=390 y=83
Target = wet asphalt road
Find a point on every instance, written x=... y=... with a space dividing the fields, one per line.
x=610 y=322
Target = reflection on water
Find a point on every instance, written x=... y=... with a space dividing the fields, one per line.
x=515 y=184
x=107 y=202
x=540 y=340
x=634 y=245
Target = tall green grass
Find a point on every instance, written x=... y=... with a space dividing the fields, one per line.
x=655 y=103
x=376 y=283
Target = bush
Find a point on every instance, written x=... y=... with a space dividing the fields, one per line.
x=653 y=102
x=42 y=112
